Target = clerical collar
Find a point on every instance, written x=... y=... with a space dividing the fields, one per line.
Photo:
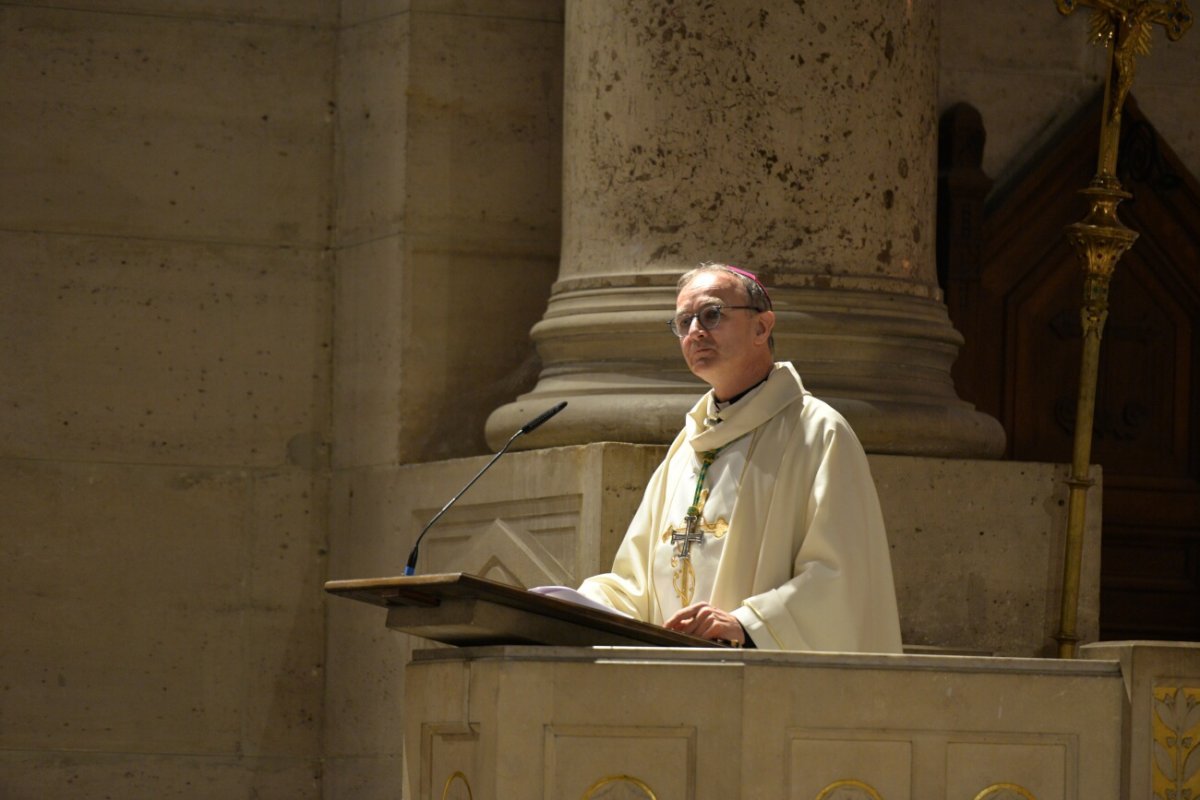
x=721 y=405
x=724 y=404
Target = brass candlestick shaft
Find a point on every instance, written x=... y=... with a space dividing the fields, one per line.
x=1100 y=239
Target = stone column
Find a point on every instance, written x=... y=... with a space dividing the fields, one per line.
x=796 y=140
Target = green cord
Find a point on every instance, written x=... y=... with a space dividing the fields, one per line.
x=706 y=460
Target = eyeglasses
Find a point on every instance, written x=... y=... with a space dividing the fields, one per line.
x=709 y=317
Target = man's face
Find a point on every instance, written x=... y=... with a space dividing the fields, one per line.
x=714 y=356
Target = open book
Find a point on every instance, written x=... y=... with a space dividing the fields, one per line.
x=572 y=596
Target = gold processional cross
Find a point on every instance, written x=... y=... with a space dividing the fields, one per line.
x=692 y=532
x=1127 y=24
x=1124 y=27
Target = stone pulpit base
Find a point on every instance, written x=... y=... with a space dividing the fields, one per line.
x=559 y=723
x=976 y=549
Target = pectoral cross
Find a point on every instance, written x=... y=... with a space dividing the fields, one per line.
x=692 y=532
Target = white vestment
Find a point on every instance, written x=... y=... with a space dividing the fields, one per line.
x=794 y=544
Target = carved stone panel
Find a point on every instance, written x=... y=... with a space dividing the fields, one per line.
x=641 y=762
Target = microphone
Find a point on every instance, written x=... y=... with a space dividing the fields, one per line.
x=411 y=567
x=538 y=420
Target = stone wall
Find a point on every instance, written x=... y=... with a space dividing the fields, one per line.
x=165 y=340
x=449 y=142
x=448 y=163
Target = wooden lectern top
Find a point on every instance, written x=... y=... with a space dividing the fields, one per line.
x=467 y=611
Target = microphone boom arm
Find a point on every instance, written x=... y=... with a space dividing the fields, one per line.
x=411 y=567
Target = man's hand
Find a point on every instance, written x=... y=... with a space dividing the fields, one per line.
x=707 y=622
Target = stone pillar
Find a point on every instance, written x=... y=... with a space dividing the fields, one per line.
x=797 y=141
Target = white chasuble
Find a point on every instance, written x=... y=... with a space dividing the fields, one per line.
x=685 y=558
x=790 y=539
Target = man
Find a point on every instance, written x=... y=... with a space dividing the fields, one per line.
x=761 y=527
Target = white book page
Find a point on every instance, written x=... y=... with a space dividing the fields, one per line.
x=572 y=596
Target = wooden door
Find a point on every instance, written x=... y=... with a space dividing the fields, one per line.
x=1013 y=288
